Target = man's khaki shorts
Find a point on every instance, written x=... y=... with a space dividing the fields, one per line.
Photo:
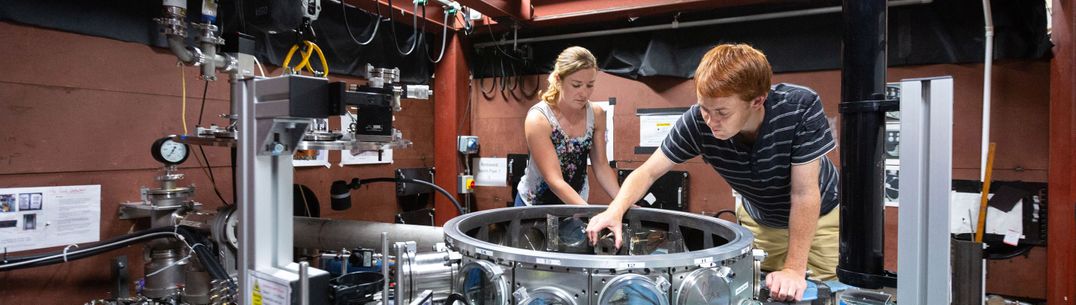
x=822 y=258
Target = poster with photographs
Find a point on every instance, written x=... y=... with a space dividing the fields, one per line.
x=313 y=157
x=8 y=204
x=42 y=217
x=369 y=157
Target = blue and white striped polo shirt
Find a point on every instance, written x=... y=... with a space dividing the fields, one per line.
x=794 y=131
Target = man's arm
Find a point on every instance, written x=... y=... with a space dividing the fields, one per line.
x=637 y=183
x=789 y=283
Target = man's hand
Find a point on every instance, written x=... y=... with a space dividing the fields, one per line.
x=786 y=285
x=610 y=219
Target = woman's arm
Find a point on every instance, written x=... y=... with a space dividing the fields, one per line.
x=603 y=172
x=536 y=128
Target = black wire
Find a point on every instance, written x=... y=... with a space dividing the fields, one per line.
x=498 y=47
x=448 y=195
x=504 y=81
x=212 y=179
x=730 y=211
x=205 y=90
x=487 y=95
x=515 y=84
x=208 y=167
x=414 y=32
x=213 y=266
x=208 y=257
x=73 y=255
x=514 y=81
x=1010 y=253
x=377 y=23
x=421 y=29
x=532 y=93
x=513 y=91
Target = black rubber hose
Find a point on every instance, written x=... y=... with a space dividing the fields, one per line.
x=207 y=257
x=459 y=208
x=530 y=94
x=76 y=253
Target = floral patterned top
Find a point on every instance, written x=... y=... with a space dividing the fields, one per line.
x=573 y=154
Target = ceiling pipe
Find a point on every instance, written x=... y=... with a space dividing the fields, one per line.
x=689 y=24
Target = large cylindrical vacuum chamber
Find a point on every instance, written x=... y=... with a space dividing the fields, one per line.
x=539 y=255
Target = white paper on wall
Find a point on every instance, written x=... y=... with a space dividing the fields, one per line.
x=964 y=216
x=654 y=128
x=43 y=217
x=491 y=171
x=609 y=135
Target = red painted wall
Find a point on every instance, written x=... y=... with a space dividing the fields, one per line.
x=77 y=109
x=1019 y=126
x=1061 y=264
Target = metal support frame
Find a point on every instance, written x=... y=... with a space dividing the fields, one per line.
x=926 y=153
x=266 y=139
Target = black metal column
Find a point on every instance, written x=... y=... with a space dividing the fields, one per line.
x=862 y=127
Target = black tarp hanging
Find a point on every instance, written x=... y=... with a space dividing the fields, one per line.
x=941 y=32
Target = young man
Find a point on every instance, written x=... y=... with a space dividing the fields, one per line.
x=770 y=145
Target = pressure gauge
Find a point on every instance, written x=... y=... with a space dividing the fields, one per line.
x=169 y=152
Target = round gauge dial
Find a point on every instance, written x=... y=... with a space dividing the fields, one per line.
x=169 y=152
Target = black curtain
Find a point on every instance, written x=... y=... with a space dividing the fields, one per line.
x=944 y=31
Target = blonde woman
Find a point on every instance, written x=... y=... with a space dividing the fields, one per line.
x=564 y=130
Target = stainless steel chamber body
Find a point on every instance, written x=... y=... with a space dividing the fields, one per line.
x=540 y=255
